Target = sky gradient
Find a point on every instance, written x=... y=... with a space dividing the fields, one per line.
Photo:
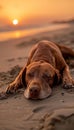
x=35 y=11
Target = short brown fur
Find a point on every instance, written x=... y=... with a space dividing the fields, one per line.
x=45 y=67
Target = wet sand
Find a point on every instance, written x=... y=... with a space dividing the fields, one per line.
x=18 y=113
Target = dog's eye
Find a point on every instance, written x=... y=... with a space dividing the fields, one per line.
x=46 y=77
x=30 y=74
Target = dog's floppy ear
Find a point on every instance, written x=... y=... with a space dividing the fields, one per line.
x=23 y=77
x=57 y=77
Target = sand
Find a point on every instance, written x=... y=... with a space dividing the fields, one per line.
x=18 y=113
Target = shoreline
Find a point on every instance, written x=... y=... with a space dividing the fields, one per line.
x=19 y=34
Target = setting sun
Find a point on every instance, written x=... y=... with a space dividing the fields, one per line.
x=15 y=21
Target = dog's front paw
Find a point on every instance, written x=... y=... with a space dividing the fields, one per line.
x=3 y=95
x=68 y=85
x=11 y=88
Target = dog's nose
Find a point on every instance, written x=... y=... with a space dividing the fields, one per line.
x=34 y=91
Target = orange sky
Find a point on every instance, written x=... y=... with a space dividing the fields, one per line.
x=32 y=11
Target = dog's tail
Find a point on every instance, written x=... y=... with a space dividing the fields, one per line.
x=66 y=51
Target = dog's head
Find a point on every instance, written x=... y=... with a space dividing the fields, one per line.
x=39 y=79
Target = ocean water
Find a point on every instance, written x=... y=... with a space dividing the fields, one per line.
x=28 y=32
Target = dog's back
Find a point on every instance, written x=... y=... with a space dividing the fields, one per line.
x=48 y=52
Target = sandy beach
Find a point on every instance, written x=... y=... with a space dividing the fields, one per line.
x=18 y=113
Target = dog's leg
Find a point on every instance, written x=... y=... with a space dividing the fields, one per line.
x=18 y=83
x=14 y=86
x=68 y=82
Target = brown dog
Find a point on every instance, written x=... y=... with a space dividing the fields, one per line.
x=46 y=66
